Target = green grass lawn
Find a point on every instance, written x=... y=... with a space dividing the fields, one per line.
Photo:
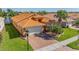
x=68 y=33
x=74 y=45
x=11 y=40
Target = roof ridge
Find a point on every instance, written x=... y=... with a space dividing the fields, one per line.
x=26 y=18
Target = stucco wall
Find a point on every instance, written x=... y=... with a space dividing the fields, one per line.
x=1 y=23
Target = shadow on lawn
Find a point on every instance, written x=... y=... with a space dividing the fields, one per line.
x=12 y=31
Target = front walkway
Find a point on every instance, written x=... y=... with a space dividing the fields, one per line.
x=59 y=44
x=74 y=28
x=38 y=42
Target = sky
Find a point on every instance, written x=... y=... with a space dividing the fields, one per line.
x=44 y=9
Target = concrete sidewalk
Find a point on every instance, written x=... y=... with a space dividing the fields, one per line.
x=64 y=48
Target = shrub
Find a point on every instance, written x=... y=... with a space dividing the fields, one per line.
x=76 y=22
x=55 y=28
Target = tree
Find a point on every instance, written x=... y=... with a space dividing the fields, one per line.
x=11 y=13
x=55 y=28
x=76 y=22
x=62 y=14
x=42 y=12
x=2 y=13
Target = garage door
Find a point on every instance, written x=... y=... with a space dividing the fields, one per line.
x=35 y=30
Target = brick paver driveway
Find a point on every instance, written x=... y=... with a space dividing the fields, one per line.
x=38 y=42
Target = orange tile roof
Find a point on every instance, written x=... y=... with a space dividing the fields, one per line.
x=31 y=23
x=26 y=21
x=45 y=20
x=21 y=17
x=74 y=15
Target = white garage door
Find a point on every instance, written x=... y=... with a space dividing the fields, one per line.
x=35 y=30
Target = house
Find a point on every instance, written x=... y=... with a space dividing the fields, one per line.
x=7 y=20
x=1 y=24
x=33 y=23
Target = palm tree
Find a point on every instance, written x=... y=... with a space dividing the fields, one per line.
x=2 y=13
x=11 y=13
x=61 y=14
x=8 y=14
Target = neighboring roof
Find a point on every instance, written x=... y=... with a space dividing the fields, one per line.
x=73 y=15
x=52 y=17
x=26 y=20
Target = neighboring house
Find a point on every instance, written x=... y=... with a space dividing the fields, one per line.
x=1 y=24
x=70 y=19
x=7 y=20
x=52 y=17
x=64 y=24
x=32 y=23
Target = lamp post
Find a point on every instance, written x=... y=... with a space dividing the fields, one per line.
x=27 y=34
